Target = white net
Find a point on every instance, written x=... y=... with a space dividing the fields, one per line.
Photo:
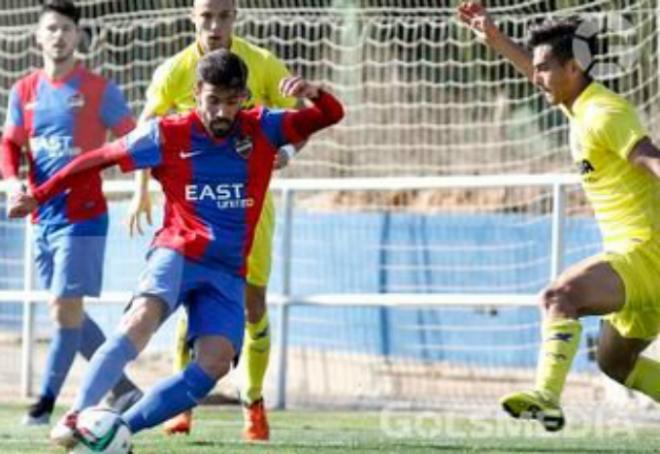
x=373 y=349
x=423 y=96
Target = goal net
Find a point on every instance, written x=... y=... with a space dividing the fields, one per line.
x=424 y=98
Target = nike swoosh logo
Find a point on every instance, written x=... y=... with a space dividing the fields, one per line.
x=564 y=337
x=261 y=334
x=185 y=155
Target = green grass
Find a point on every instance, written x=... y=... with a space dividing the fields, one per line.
x=217 y=430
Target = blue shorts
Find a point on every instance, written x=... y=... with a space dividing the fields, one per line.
x=213 y=298
x=69 y=257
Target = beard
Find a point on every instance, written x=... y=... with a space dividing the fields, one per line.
x=62 y=57
x=220 y=127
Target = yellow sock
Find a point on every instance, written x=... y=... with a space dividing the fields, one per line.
x=181 y=350
x=256 y=351
x=560 y=342
x=645 y=377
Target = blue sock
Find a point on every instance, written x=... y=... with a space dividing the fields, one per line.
x=169 y=397
x=104 y=370
x=62 y=351
x=92 y=339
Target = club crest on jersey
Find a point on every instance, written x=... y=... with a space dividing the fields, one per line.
x=76 y=101
x=244 y=147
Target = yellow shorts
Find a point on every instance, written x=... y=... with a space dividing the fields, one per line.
x=639 y=268
x=259 y=261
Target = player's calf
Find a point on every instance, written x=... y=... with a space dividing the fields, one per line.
x=142 y=319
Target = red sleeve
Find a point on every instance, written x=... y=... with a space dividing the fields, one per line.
x=10 y=158
x=82 y=166
x=300 y=124
x=126 y=125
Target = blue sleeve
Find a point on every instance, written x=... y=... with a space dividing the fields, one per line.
x=143 y=147
x=272 y=124
x=114 y=109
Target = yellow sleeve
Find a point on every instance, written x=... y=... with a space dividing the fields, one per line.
x=618 y=129
x=159 y=100
x=274 y=71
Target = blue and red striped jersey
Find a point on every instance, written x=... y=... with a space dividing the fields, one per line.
x=55 y=120
x=214 y=189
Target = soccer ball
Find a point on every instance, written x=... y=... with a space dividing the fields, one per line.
x=101 y=430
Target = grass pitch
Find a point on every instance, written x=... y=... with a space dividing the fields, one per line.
x=217 y=430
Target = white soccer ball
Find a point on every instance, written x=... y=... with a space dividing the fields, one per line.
x=101 y=430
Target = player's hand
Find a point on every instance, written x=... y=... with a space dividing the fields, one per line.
x=297 y=87
x=474 y=15
x=20 y=205
x=140 y=204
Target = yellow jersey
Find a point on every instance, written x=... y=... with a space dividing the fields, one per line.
x=173 y=83
x=604 y=128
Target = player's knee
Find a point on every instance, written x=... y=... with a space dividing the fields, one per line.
x=558 y=299
x=67 y=312
x=214 y=354
x=216 y=366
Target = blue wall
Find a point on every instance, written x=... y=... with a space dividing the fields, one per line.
x=379 y=253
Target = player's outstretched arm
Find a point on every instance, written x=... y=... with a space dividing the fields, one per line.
x=87 y=163
x=325 y=111
x=474 y=15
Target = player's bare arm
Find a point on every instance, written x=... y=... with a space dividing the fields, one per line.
x=475 y=16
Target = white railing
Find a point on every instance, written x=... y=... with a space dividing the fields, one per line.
x=288 y=188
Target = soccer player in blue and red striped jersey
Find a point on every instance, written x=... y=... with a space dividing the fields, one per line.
x=214 y=165
x=54 y=114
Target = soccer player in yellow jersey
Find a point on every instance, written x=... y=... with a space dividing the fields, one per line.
x=620 y=168
x=172 y=90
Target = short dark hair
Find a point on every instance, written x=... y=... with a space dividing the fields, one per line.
x=223 y=68
x=560 y=35
x=64 y=7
